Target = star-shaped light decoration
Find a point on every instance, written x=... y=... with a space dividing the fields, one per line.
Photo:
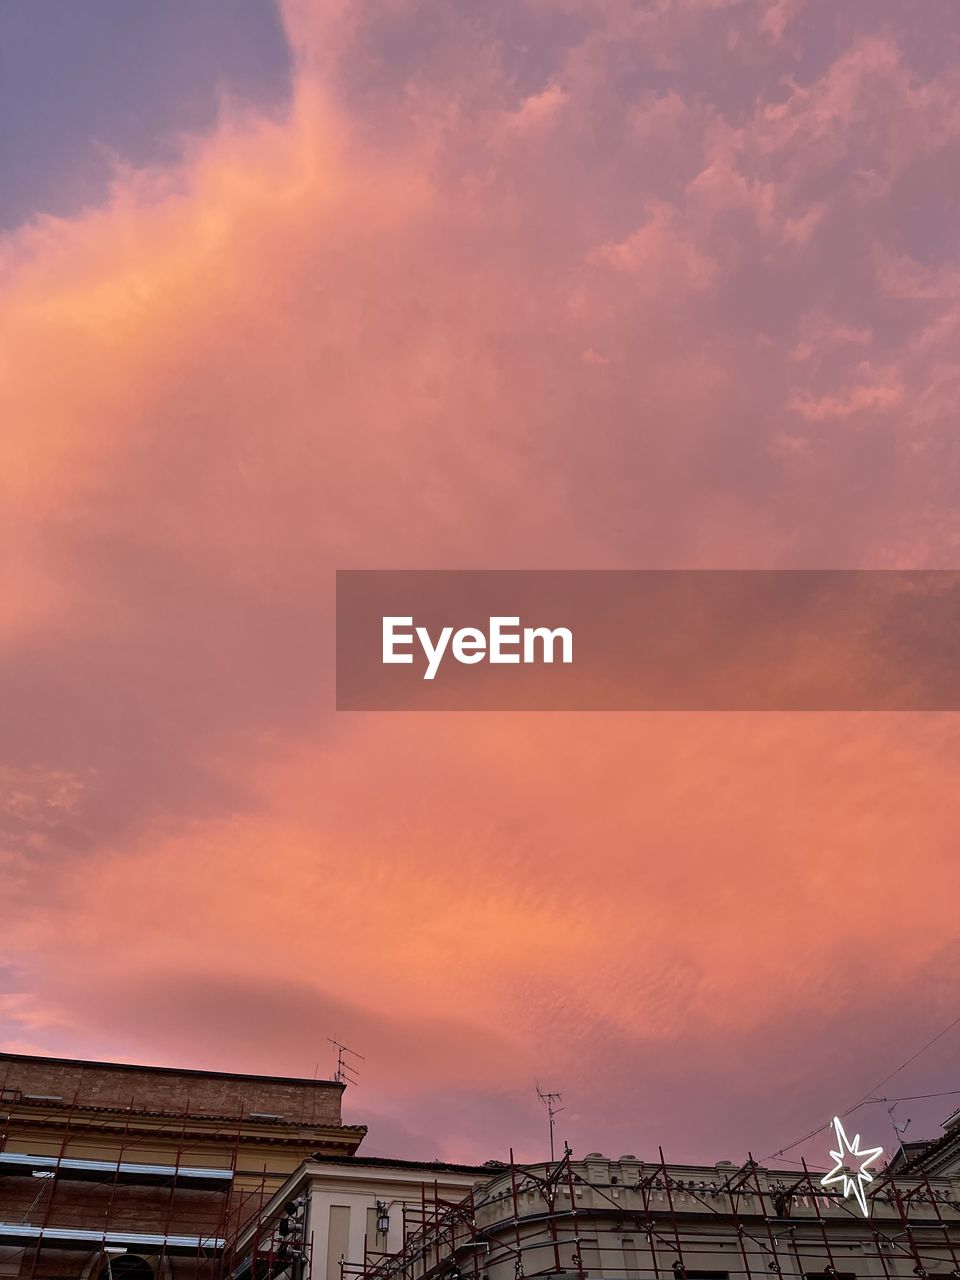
x=849 y=1157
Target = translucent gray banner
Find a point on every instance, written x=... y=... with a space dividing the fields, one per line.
x=648 y=640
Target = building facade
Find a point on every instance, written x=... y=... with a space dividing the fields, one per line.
x=112 y=1172
x=334 y=1217
x=630 y=1220
x=117 y=1172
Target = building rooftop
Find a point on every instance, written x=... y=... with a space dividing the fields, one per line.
x=196 y=1072
x=426 y=1166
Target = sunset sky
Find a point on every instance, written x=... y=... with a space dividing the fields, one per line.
x=472 y=284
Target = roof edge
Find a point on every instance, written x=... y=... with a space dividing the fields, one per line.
x=193 y=1072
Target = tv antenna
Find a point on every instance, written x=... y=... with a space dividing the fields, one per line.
x=347 y=1073
x=550 y=1101
x=898 y=1129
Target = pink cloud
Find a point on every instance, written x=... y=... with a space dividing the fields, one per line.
x=865 y=398
x=659 y=256
x=604 y=306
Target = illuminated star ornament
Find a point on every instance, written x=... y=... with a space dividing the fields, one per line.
x=849 y=1157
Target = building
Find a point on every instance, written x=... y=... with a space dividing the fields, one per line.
x=117 y=1172
x=333 y=1215
x=935 y=1156
x=633 y=1220
x=111 y=1172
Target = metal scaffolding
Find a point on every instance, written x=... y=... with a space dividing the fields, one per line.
x=281 y=1247
x=79 y=1188
x=672 y=1223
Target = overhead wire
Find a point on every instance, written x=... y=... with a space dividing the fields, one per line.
x=868 y=1096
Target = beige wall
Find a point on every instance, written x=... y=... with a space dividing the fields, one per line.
x=342 y=1211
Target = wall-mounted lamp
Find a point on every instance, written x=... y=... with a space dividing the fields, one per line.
x=383 y=1218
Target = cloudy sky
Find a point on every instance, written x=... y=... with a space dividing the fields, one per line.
x=520 y=284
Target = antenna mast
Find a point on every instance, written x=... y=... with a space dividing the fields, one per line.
x=347 y=1073
x=898 y=1129
x=550 y=1101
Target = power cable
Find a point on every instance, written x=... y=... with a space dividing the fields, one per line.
x=868 y=1096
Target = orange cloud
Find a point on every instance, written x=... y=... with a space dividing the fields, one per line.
x=481 y=308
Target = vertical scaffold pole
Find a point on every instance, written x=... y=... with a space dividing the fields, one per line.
x=820 y=1219
x=738 y=1225
x=673 y=1213
x=516 y=1217
x=573 y=1218
x=771 y=1237
x=932 y=1196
